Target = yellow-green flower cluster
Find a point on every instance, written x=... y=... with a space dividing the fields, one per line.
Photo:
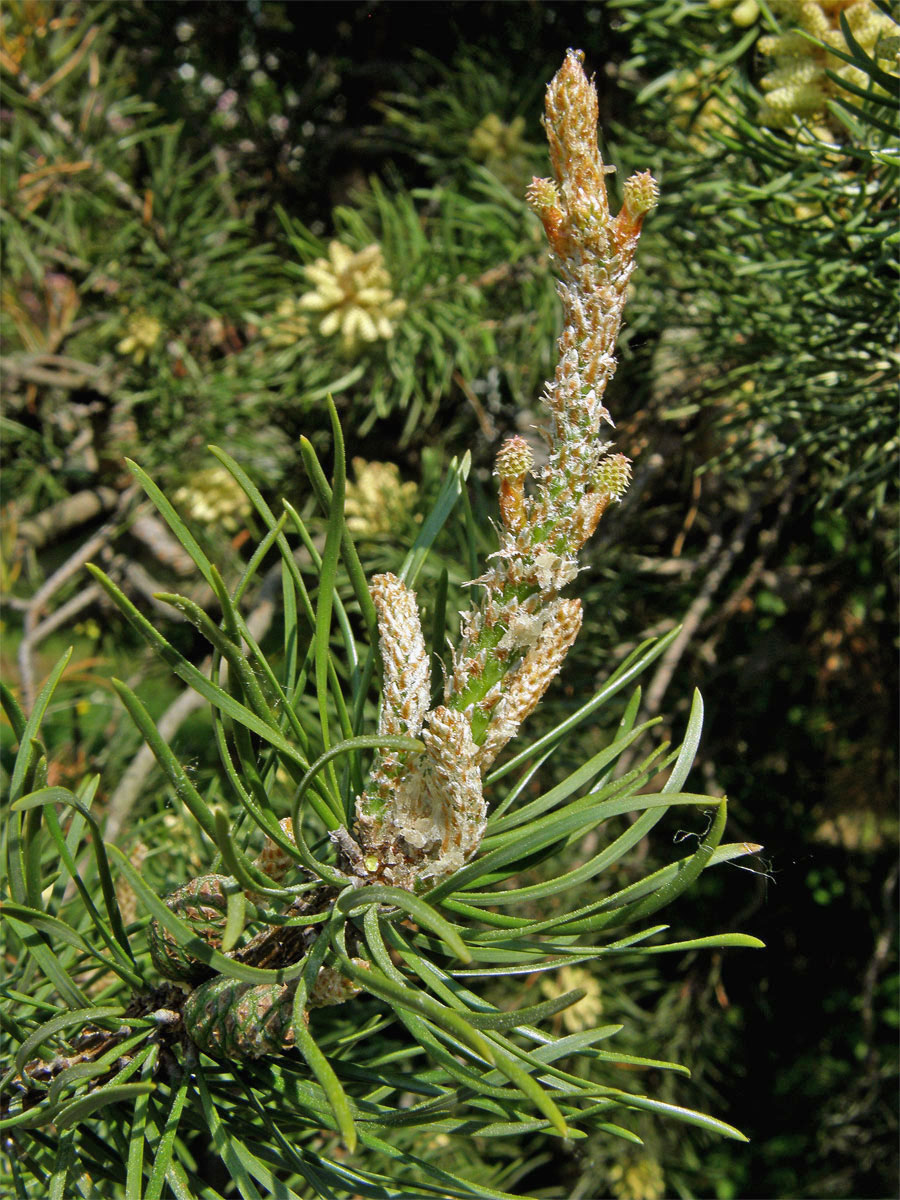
x=501 y=147
x=494 y=138
x=287 y=326
x=142 y=332
x=637 y=1179
x=353 y=291
x=694 y=104
x=586 y=1012
x=798 y=86
x=742 y=12
x=378 y=501
x=213 y=497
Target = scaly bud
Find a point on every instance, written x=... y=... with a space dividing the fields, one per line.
x=543 y=198
x=527 y=683
x=272 y=860
x=407 y=673
x=641 y=193
x=641 y=196
x=613 y=477
x=570 y=118
x=585 y=519
x=331 y=987
x=542 y=195
x=514 y=461
x=454 y=784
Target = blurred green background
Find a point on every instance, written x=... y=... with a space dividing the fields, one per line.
x=172 y=171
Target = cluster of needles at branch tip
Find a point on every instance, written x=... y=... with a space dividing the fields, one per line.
x=422 y=815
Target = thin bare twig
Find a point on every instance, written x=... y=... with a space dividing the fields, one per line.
x=714 y=564
x=166 y=549
x=722 y=560
x=31 y=633
x=66 y=611
x=67 y=514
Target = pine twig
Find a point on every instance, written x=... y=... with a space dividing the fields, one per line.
x=51 y=523
x=423 y=814
x=149 y=530
x=66 y=612
x=32 y=624
x=722 y=560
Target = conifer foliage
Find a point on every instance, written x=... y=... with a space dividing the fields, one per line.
x=776 y=253
x=311 y=1012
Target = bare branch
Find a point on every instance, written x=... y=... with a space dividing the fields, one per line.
x=32 y=624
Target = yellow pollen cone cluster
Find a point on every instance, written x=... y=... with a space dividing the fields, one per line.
x=353 y=292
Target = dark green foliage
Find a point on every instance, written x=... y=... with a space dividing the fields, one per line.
x=137 y=283
x=471 y=268
x=775 y=266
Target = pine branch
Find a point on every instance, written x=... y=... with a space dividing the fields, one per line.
x=401 y=930
x=33 y=629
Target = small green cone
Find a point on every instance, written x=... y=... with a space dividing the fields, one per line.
x=202 y=902
x=228 y=1018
